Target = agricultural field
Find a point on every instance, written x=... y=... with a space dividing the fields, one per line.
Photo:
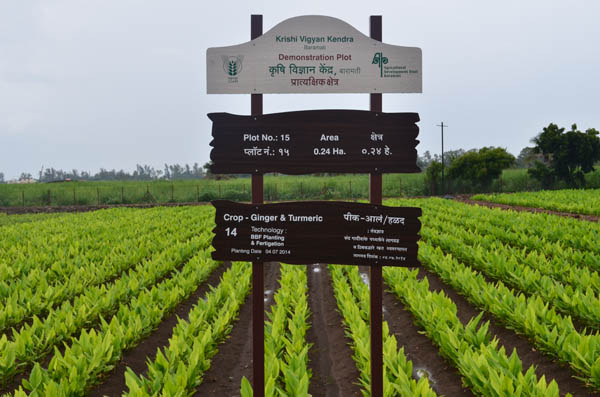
x=575 y=201
x=276 y=187
x=129 y=302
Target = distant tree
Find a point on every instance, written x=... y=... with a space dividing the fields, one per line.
x=1 y=177
x=433 y=177
x=526 y=158
x=566 y=156
x=481 y=167
x=424 y=161
x=206 y=167
x=24 y=176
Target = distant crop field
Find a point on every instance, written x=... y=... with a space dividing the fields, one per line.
x=276 y=188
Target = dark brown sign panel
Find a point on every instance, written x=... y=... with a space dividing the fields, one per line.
x=350 y=141
x=317 y=231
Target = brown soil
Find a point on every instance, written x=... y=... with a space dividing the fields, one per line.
x=136 y=358
x=467 y=200
x=443 y=377
x=544 y=365
x=234 y=359
x=334 y=372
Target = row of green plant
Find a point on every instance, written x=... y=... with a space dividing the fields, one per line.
x=552 y=333
x=576 y=201
x=89 y=356
x=34 y=340
x=32 y=247
x=514 y=230
x=485 y=367
x=558 y=267
x=581 y=236
x=500 y=262
x=177 y=369
x=6 y=219
x=39 y=291
x=286 y=349
x=85 y=238
x=353 y=299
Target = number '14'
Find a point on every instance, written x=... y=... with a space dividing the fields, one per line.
x=231 y=231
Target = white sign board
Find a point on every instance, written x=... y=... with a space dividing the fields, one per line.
x=313 y=54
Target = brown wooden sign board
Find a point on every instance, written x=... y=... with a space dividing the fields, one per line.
x=317 y=231
x=349 y=141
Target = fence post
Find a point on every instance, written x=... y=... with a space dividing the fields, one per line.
x=23 y=197
x=97 y=196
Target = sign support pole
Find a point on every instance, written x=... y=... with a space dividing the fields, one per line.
x=258 y=282
x=376 y=282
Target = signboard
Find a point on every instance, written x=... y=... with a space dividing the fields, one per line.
x=313 y=54
x=350 y=141
x=317 y=231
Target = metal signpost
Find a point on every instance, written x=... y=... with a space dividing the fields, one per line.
x=315 y=54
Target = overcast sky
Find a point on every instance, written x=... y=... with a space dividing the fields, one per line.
x=86 y=84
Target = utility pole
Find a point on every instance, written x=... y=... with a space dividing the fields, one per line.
x=443 y=184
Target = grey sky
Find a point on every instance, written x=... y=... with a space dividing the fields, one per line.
x=111 y=83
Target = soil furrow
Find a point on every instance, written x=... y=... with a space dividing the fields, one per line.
x=136 y=358
x=334 y=372
x=443 y=377
x=47 y=358
x=543 y=364
x=234 y=359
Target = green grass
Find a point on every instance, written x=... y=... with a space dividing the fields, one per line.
x=276 y=188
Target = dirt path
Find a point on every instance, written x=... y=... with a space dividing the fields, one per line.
x=234 y=358
x=137 y=357
x=467 y=200
x=334 y=372
x=544 y=365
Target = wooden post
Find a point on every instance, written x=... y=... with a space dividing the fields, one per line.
x=97 y=196
x=23 y=197
x=258 y=282
x=376 y=282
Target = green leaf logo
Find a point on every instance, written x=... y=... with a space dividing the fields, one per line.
x=232 y=65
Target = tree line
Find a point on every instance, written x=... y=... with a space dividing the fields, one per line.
x=558 y=158
x=141 y=173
